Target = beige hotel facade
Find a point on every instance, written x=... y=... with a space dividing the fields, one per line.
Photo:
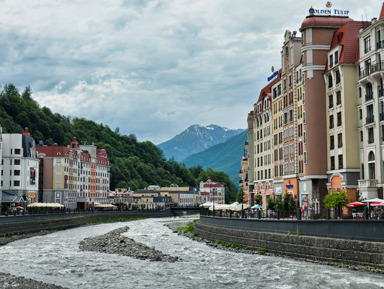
x=318 y=111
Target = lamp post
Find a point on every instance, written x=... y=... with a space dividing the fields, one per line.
x=213 y=201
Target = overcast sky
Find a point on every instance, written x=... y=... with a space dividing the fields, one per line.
x=151 y=67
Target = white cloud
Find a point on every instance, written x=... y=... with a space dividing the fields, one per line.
x=152 y=67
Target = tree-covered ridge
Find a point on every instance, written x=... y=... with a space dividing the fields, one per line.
x=133 y=164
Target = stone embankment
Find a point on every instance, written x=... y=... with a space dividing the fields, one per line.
x=114 y=243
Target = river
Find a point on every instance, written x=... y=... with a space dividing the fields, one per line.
x=56 y=259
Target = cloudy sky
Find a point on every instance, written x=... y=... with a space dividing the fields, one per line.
x=150 y=67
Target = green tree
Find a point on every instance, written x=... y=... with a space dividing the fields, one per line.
x=240 y=196
x=336 y=200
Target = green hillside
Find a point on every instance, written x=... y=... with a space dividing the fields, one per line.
x=225 y=157
x=134 y=164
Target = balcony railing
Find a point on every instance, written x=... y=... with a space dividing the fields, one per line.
x=378 y=67
x=369 y=119
x=365 y=72
x=369 y=96
x=367 y=183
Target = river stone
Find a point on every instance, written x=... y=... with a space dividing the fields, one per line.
x=114 y=243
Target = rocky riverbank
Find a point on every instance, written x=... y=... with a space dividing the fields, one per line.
x=114 y=243
x=10 y=281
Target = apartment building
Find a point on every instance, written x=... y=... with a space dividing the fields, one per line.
x=286 y=182
x=340 y=77
x=370 y=101
x=317 y=34
x=263 y=143
x=212 y=192
x=74 y=176
x=20 y=167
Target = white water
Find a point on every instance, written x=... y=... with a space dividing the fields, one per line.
x=56 y=259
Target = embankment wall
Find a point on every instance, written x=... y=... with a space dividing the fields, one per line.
x=332 y=250
x=33 y=224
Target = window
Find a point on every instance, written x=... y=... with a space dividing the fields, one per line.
x=304 y=117
x=340 y=162
x=338 y=98
x=332 y=163
x=17 y=151
x=16 y=183
x=330 y=81
x=361 y=136
x=368 y=92
x=370 y=116
x=337 y=77
x=330 y=101
x=16 y=172
x=367 y=44
x=360 y=113
x=371 y=137
x=331 y=142
x=17 y=162
x=339 y=119
x=336 y=57
x=339 y=140
x=331 y=122
x=330 y=61
x=368 y=67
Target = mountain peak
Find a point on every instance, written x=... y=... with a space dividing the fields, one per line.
x=196 y=138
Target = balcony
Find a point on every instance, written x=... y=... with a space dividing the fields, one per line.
x=369 y=119
x=380 y=44
x=369 y=96
x=365 y=72
x=367 y=183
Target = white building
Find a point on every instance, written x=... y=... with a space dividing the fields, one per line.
x=20 y=166
x=212 y=192
x=370 y=102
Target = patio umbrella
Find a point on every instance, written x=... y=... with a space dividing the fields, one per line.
x=375 y=200
x=377 y=204
x=257 y=206
x=356 y=204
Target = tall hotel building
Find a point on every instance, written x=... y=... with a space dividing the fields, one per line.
x=341 y=115
x=285 y=136
x=300 y=113
x=370 y=101
x=74 y=176
x=260 y=126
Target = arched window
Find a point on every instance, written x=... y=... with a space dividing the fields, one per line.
x=371 y=166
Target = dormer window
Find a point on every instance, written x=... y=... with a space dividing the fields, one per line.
x=336 y=57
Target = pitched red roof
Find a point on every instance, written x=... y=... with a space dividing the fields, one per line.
x=382 y=12
x=346 y=37
x=266 y=91
x=324 y=21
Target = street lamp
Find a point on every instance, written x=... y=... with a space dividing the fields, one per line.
x=213 y=201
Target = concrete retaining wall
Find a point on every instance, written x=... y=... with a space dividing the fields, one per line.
x=306 y=247
x=16 y=225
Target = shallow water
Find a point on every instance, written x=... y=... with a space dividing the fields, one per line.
x=56 y=258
